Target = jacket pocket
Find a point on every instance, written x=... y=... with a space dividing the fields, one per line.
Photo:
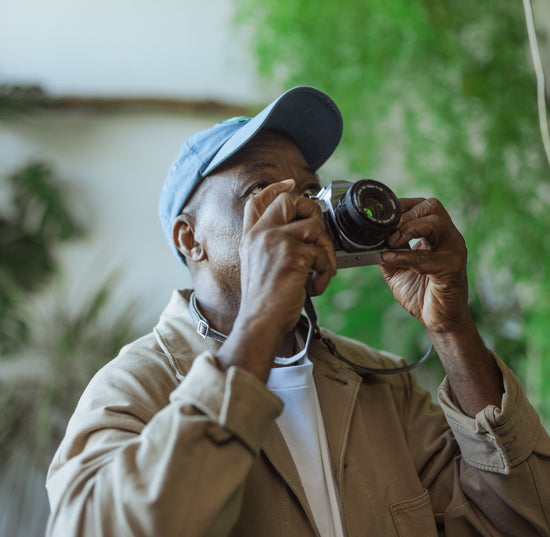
x=414 y=518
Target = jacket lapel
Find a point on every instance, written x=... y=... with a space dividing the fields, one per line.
x=276 y=450
x=337 y=387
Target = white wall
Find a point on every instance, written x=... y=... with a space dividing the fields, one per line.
x=173 y=48
x=164 y=48
x=114 y=165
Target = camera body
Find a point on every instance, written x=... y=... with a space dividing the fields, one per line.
x=359 y=217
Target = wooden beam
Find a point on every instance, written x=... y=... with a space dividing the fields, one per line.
x=27 y=98
x=109 y=104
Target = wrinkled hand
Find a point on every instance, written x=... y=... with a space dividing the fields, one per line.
x=283 y=242
x=429 y=280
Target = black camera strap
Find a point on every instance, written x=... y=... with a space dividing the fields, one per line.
x=205 y=330
x=362 y=370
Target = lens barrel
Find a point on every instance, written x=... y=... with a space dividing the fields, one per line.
x=368 y=213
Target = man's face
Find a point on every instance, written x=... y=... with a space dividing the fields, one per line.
x=269 y=158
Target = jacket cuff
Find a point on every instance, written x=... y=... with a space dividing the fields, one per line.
x=235 y=400
x=496 y=439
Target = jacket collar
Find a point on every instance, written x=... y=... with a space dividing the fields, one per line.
x=177 y=334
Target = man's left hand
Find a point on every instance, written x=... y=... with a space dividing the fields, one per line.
x=430 y=280
x=431 y=283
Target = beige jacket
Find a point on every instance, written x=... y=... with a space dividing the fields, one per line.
x=163 y=444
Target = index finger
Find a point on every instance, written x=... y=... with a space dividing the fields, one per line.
x=287 y=208
x=257 y=204
x=409 y=203
x=417 y=208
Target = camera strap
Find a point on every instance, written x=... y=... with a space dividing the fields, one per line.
x=360 y=369
x=295 y=358
x=203 y=326
x=205 y=330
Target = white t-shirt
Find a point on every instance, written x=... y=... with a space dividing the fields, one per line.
x=303 y=429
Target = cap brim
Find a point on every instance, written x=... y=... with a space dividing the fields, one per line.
x=306 y=115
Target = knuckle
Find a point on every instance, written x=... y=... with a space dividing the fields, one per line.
x=433 y=204
x=309 y=206
x=312 y=232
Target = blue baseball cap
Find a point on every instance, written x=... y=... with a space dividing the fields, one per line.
x=309 y=117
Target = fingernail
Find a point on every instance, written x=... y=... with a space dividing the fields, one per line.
x=394 y=239
x=388 y=256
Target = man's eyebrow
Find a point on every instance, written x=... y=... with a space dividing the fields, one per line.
x=256 y=167
x=251 y=169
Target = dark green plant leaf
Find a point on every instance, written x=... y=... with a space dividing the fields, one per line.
x=21 y=99
x=37 y=219
x=41 y=204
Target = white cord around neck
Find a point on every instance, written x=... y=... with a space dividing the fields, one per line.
x=205 y=330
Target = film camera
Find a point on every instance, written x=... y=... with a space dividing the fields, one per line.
x=359 y=217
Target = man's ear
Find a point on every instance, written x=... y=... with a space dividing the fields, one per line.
x=183 y=235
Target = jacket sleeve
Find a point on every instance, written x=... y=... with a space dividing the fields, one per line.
x=488 y=475
x=129 y=466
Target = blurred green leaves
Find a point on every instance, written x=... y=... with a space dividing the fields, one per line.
x=21 y=99
x=444 y=91
x=66 y=348
x=35 y=219
x=50 y=353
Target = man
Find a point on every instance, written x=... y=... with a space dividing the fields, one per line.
x=180 y=435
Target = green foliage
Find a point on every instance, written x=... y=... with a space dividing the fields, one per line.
x=447 y=88
x=21 y=99
x=66 y=348
x=34 y=221
x=54 y=349
x=53 y=355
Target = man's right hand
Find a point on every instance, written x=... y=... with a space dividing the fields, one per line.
x=284 y=248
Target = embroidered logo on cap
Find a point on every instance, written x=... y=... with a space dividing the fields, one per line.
x=237 y=119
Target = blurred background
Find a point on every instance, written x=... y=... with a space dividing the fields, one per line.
x=438 y=99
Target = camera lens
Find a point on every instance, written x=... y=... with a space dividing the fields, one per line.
x=368 y=213
x=372 y=207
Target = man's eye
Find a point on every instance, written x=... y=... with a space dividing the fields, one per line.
x=256 y=189
x=311 y=191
